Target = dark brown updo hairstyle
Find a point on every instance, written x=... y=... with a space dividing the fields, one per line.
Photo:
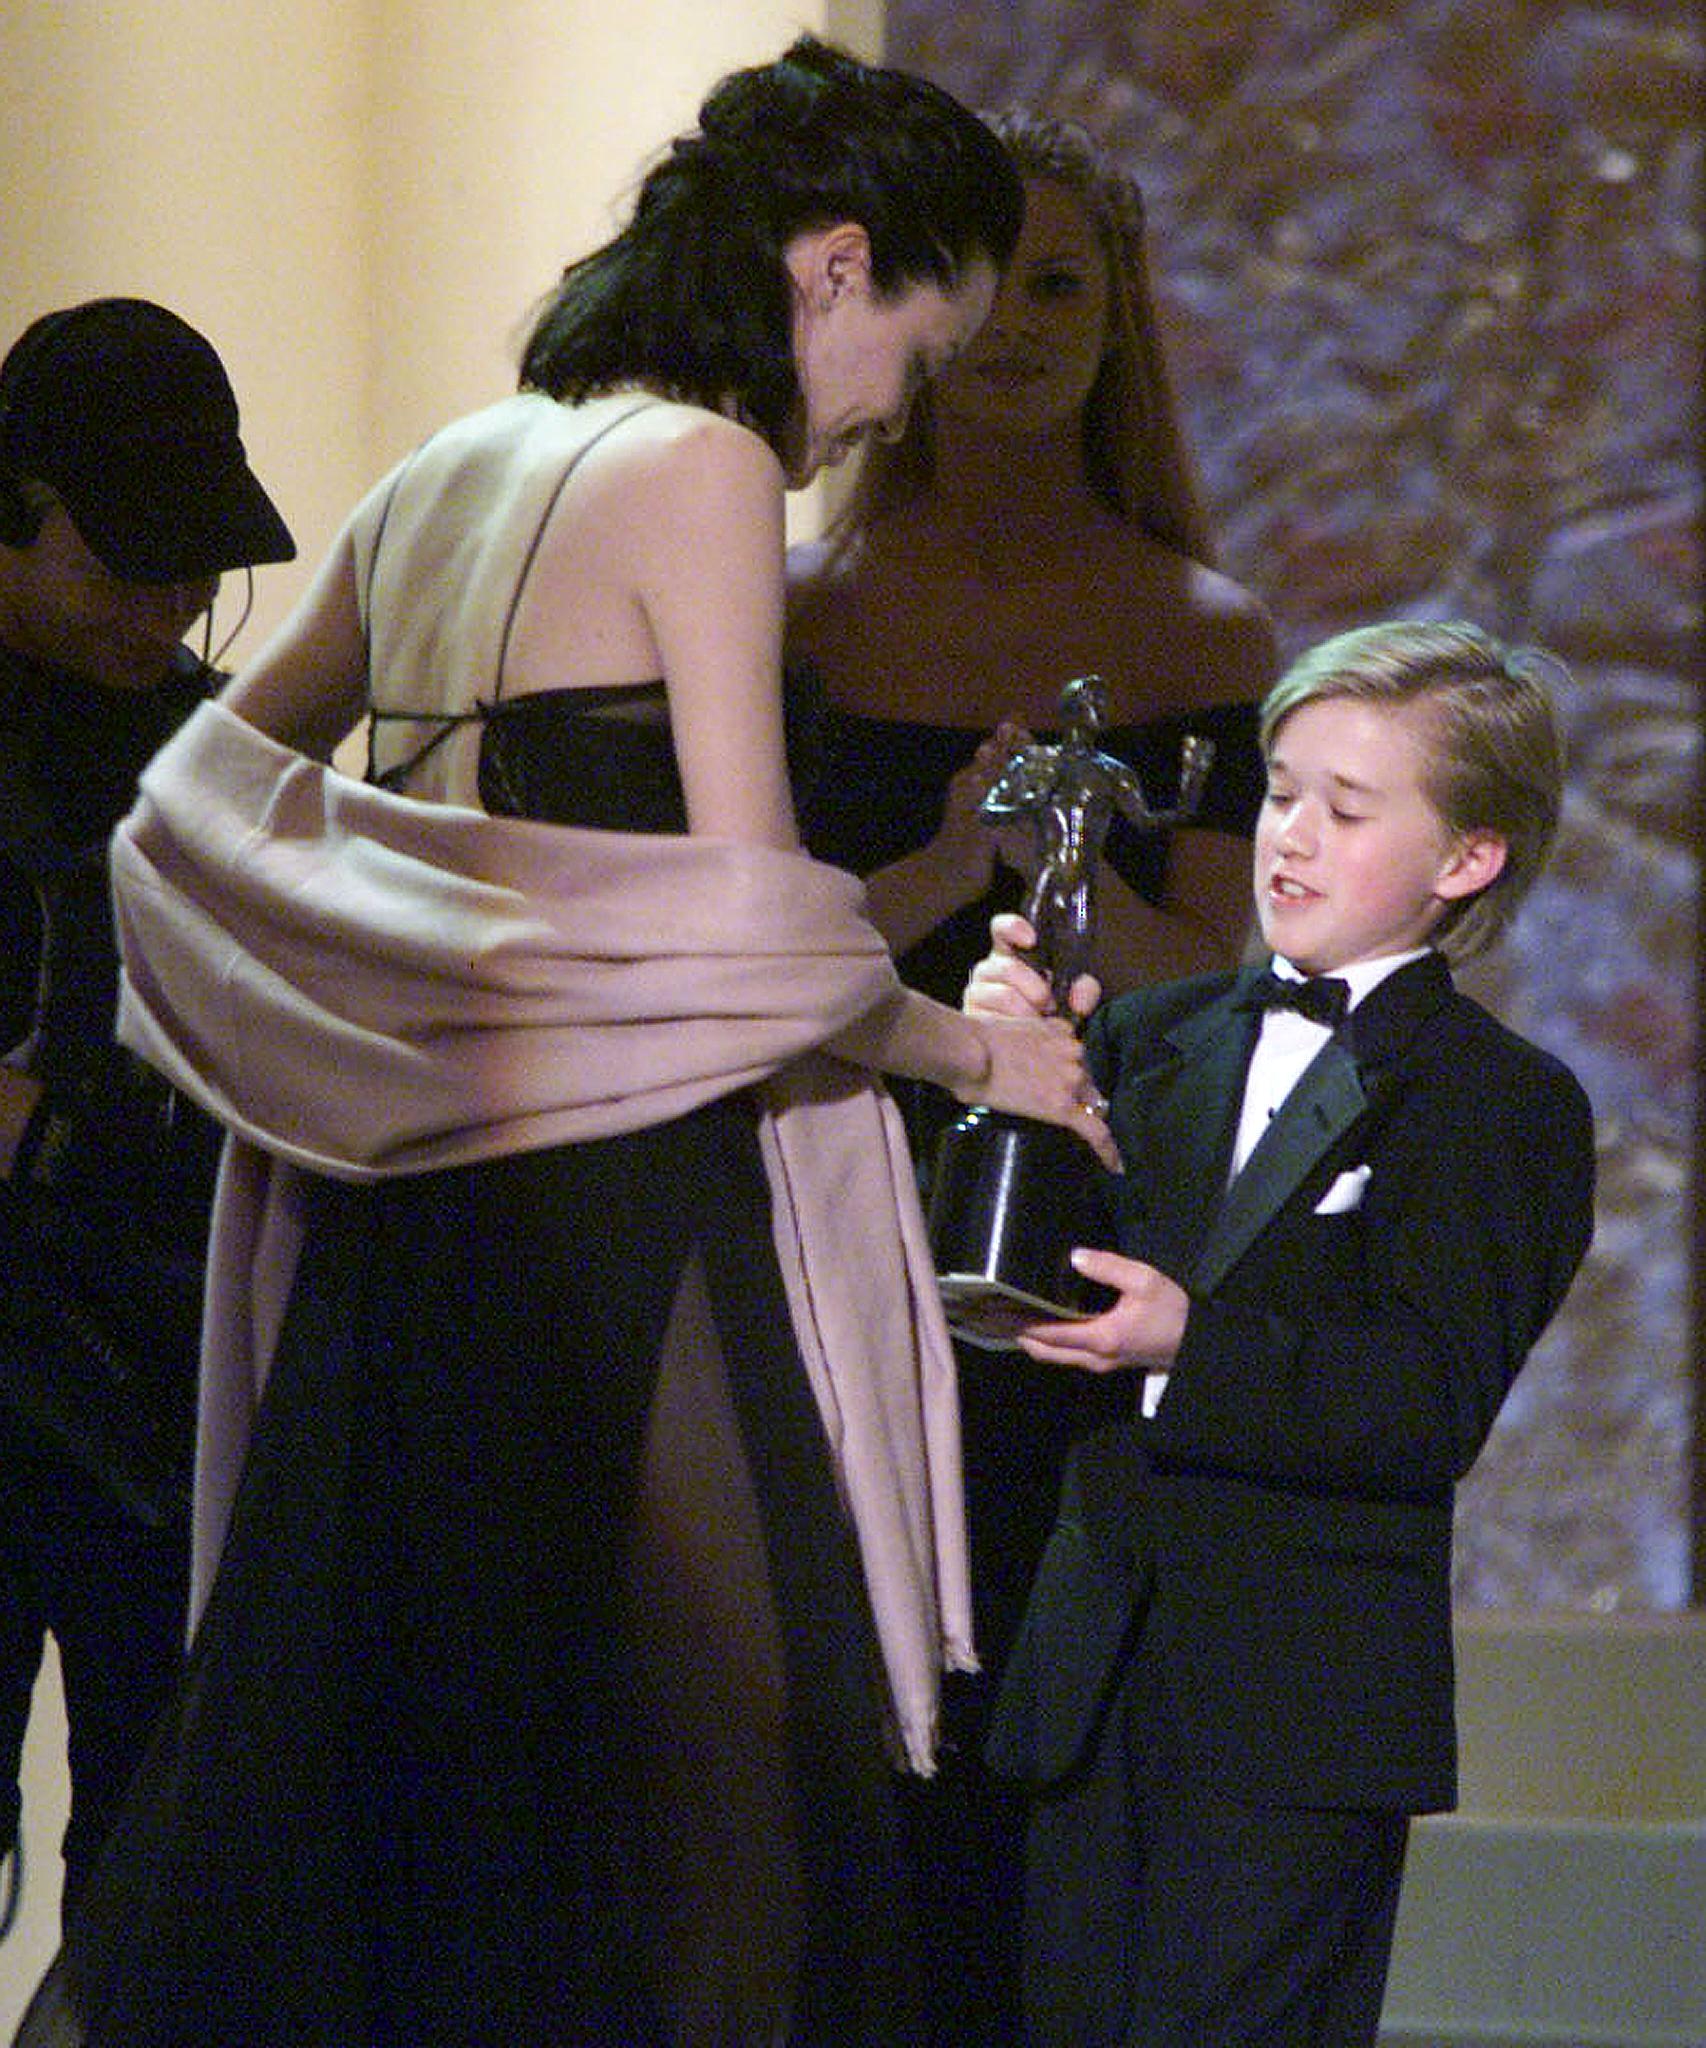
x=693 y=296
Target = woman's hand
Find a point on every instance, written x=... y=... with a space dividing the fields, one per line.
x=1145 y=1327
x=917 y=894
x=1012 y=841
x=964 y=843
x=1036 y=1069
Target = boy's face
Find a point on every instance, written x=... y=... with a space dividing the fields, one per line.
x=1352 y=860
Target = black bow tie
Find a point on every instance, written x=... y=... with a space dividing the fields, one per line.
x=1323 y=1000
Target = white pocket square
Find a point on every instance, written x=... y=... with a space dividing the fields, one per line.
x=1344 y=1194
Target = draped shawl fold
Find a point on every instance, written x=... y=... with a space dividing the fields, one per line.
x=359 y=984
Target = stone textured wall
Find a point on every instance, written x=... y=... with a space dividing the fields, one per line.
x=1430 y=275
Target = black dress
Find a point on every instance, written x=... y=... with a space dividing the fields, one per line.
x=536 y=1700
x=872 y=790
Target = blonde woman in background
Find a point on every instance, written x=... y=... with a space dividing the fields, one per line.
x=1037 y=520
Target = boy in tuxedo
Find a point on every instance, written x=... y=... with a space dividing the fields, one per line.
x=1352 y=1200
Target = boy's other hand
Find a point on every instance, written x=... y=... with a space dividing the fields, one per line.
x=1144 y=1327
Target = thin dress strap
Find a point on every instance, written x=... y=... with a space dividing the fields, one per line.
x=397 y=776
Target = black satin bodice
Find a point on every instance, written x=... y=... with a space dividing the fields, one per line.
x=599 y=758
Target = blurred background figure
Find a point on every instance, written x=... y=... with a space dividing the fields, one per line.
x=1036 y=520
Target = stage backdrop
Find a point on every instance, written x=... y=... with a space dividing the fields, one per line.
x=1429 y=270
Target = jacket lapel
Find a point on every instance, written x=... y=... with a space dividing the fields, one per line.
x=1337 y=1088
x=1314 y=1116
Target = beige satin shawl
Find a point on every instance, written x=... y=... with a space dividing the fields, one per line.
x=359 y=984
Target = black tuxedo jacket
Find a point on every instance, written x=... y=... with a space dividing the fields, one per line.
x=1277 y=1539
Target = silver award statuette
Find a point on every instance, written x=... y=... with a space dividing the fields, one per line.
x=1010 y=1196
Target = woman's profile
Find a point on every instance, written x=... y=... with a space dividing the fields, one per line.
x=1037 y=520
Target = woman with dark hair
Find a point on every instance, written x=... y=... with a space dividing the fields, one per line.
x=538 y=1695
x=695 y=295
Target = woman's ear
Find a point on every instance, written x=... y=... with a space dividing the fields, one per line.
x=848 y=259
x=829 y=263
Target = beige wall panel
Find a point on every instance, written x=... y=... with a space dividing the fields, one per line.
x=357 y=200
x=509 y=136
x=209 y=157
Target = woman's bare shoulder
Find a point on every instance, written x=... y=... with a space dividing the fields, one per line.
x=667 y=443
x=655 y=479
x=1210 y=638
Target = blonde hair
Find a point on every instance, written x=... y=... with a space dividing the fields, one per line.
x=1135 y=459
x=1497 y=762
